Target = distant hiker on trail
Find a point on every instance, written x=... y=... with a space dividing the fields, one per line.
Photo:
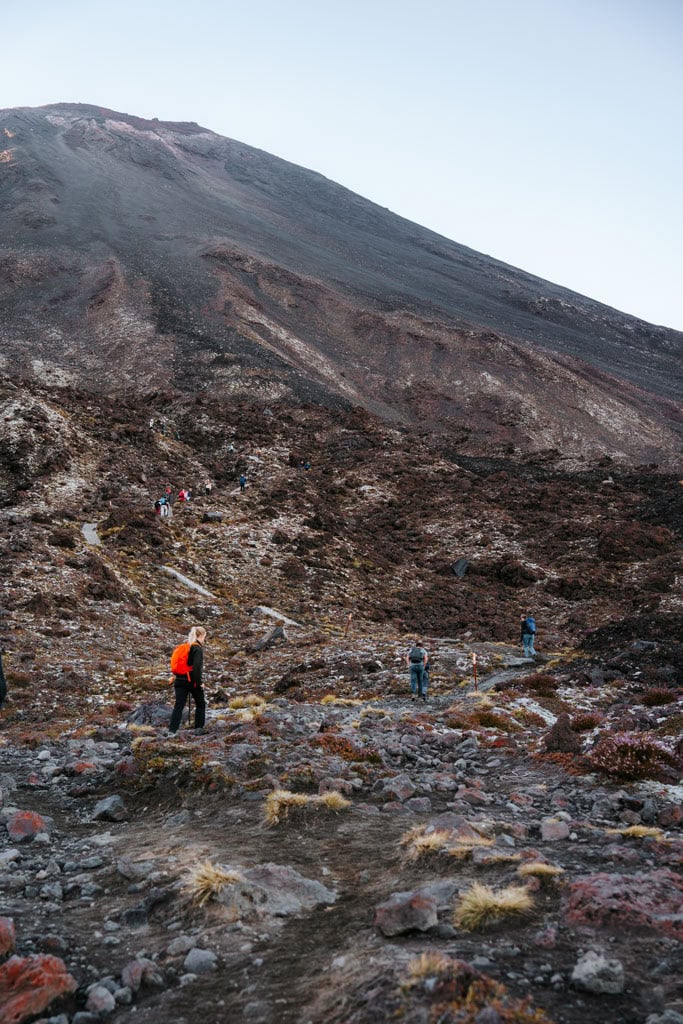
x=243 y=482
x=416 y=660
x=425 y=676
x=208 y=488
x=3 y=683
x=528 y=632
x=187 y=662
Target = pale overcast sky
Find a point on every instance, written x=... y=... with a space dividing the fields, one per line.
x=546 y=133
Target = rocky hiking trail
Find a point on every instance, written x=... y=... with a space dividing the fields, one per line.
x=224 y=876
x=329 y=910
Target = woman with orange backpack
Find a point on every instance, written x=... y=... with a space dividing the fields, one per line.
x=187 y=662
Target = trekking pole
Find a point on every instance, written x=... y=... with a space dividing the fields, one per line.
x=474 y=669
x=189 y=711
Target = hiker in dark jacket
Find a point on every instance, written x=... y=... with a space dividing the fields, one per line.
x=528 y=635
x=3 y=684
x=416 y=660
x=191 y=687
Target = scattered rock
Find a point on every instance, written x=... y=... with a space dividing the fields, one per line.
x=594 y=973
x=406 y=912
x=7 y=935
x=200 y=961
x=112 y=808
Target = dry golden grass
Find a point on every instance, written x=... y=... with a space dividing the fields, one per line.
x=281 y=801
x=346 y=702
x=546 y=873
x=333 y=801
x=418 y=846
x=206 y=880
x=249 y=700
x=636 y=832
x=421 y=843
x=427 y=965
x=380 y=712
x=481 y=905
x=464 y=845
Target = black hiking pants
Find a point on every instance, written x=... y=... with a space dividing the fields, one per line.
x=183 y=690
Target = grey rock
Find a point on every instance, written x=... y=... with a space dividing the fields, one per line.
x=112 y=808
x=594 y=973
x=406 y=912
x=668 y=1017
x=100 y=1000
x=180 y=945
x=200 y=961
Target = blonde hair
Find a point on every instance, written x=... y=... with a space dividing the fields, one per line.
x=197 y=635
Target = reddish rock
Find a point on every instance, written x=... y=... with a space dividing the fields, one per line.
x=546 y=939
x=29 y=984
x=670 y=815
x=24 y=825
x=652 y=900
x=7 y=935
x=406 y=912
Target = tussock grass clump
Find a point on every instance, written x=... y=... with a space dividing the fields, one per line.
x=464 y=845
x=636 y=832
x=206 y=880
x=427 y=965
x=481 y=906
x=281 y=801
x=421 y=843
x=249 y=700
x=546 y=873
x=345 y=702
x=333 y=801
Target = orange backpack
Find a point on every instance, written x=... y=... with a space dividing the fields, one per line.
x=179 y=665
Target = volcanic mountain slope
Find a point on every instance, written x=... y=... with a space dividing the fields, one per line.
x=138 y=251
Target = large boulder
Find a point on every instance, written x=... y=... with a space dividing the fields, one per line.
x=652 y=900
x=29 y=984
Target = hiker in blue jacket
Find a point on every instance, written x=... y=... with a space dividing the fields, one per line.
x=416 y=660
x=528 y=631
